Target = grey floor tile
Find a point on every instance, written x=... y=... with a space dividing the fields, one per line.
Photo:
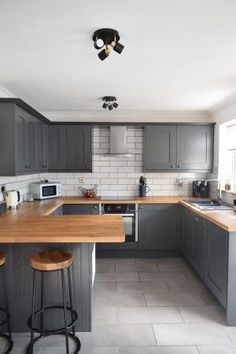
x=181 y=286
x=105 y=268
x=166 y=276
x=231 y=333
x=105 y=315
x=190 y=334
x=99 y=350
x=115 y=260
x=140 y=315
x=112 y=299
x=142 y=286
x=216 y=349
x=203 y=314
x=104 y=286
x=159 y=350
x=122 y=276
x=120 y=335
x=208 y=299
x=170 y=299
x=137 y=267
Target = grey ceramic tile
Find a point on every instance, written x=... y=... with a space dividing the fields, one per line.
x=171 y=261
x=231 y=333
x=123 y=276
x=104 y=286
x=142 y=286
x=203 y=314
x=105 y=315
x=208 y=299
x=105 y=268
x=190 y=334
x=137 y=267
x=149 y=315
x=166 y=276
x=120 y=335
x=113 y=299
x=181 y=286
x=99 y=350
x=217 y=349
x=115 y=260
x=170 y=299
x=159 y=350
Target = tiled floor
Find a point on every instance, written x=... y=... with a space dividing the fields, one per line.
x=149 y=306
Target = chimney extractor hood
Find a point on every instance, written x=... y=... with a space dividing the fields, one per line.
x=118 y=143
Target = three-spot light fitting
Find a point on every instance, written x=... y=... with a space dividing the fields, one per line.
x=108 y=39
x=109 y=102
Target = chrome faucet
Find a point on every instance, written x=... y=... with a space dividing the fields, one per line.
x=219 y=186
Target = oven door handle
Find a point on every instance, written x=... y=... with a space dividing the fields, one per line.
x=128 y=215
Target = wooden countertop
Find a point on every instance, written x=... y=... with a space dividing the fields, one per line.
x=32 y=222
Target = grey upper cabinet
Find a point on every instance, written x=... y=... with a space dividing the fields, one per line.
x=57 y=147
x=78 y=148
x=194 y=147
x=41 y=147
x=182 y=147
x=217 y=261
x=157 y=227
x=159 y=147
x=70 y=148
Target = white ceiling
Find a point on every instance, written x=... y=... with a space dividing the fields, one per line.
x=179 y=54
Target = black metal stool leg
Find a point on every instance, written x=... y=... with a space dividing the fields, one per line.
x=70 y=296
x=33 y=311
x=5 y=291
x=42 y=302
x=64 y=306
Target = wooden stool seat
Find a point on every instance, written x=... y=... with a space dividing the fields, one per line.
x=50 y=260
x=2 y=259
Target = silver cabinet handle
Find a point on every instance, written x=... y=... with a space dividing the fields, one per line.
x=179 y=166
x=172 y=166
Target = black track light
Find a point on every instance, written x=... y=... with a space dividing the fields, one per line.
x=110 y=107
x=108 y=38
x=109 y=102
x=115 y=105
x=118 y=47
x=105 y=105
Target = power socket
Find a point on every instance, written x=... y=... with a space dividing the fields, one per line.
x=81 y=180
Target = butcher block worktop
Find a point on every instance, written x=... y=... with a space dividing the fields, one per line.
x=32 y=222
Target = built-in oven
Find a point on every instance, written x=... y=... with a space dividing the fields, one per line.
x=129 y=215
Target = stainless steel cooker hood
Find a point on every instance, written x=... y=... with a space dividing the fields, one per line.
x=118 y=140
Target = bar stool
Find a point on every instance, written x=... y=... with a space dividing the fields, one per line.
x=5 y=309
x=45 y=262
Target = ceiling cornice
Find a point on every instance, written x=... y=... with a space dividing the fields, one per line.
x=220 y=106
x=128 y=116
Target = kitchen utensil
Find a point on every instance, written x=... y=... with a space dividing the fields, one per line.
x=200 y=190
x=12 y=199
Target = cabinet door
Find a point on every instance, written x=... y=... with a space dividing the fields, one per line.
x=186 y=234
x=159 y=147
x=194 y=147
x=158 y=227
x=25 y=142
x=57 y=147
x=78 y=148
x=198 y=245
x=217 y=260
x=80 y=209
x=42 y=147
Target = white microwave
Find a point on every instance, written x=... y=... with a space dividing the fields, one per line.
x=45 y=190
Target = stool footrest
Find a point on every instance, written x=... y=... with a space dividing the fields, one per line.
x=9 y=340
x=73 y=313
x=72 y=336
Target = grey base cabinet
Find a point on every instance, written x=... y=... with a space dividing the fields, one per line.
x=217 y=261
x=77 y=209
x=157 y=227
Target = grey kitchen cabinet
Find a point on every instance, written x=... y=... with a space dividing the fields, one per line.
x=186 y=233
x=157 y=227
x=217 y=261
x=41 y=147
x=78 y=148
x=194 y=147
x=159 y=147
x=80 y=209
x=198 y=258
x=57 y=147
x=58 y=211
x=181 y=147
x=70 y=148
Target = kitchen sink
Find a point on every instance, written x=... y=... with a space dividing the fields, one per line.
x=208 y=205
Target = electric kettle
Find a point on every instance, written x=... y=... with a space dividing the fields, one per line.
x=12 y=199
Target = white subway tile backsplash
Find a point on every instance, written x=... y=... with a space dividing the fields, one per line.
x=115 y=175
